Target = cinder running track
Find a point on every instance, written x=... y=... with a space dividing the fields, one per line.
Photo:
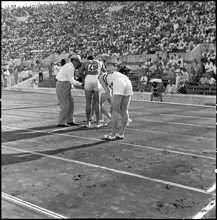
x=164 y=168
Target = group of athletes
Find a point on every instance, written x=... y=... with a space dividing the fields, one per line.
x=101 y=85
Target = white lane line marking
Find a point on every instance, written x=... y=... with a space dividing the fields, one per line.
x=205 y=210
x=166 y=132
x=121 y=143
x=173 y=103
x=24 y=155
x=27 y=107
x=27 y=110
x=21 y=116
x=59 y=129
x=53 y=112
x=128 y=128
x=211 y=189
x=77 y=113
x=181 y=116
x=32 y=206
x=113 y=170
x=175 y=123
x=139 y=113
x=171 y=151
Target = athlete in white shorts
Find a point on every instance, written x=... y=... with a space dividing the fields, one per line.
x=122 y=86
x=122 y=91
x=92 y=86
x=92 y=83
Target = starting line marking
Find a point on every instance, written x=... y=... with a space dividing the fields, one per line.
x=32 y=206
x=113 y=170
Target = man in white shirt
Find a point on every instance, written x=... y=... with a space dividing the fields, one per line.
x=185 y=75
x=2 y=78
x=24 y=74
x=66 y=81
x=143 y=81
x=196 y=67
x=7 y=75
x=170 y=88
x=209 y=67
x=179 y=75
x=172 y=61
x=210 y=80
x=212 y=56
x=203 y=80
x=148 y=63
x=55 y=69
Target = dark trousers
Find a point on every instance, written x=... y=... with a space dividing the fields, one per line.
x=63 y=91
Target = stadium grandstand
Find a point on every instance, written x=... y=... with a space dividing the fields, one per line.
x=113 y=29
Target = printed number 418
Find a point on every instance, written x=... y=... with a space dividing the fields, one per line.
x=92 y=67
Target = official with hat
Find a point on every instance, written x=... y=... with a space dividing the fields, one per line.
x=65 y=82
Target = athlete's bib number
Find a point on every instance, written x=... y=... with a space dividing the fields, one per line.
x=92 y=67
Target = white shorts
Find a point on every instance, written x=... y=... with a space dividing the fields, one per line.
x=122 y=86
x=92 y=83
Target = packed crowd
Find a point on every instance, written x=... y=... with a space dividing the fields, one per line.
x=172 y=69
x=91 y=28
x=175 y=74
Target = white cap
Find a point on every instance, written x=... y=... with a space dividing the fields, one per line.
x=75 y=57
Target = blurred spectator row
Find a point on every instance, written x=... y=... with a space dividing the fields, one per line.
x=174 y=68
x=86 y=27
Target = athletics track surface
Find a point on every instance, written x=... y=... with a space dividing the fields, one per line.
x=164 y=168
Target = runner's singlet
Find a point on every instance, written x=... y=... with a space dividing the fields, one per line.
x=93 y=67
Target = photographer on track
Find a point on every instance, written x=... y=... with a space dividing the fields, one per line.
x=156 y=89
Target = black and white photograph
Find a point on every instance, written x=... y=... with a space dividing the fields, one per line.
x=108 y=109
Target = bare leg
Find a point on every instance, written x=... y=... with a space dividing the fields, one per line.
x=92 y=109
x=115 y=105
x=103 y=98
x=125 y=114
x=88 y=96
x=97 y=106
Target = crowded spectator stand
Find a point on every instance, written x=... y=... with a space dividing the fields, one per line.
x=128 y=30
x=125 y=28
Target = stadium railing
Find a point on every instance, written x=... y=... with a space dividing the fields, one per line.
x=201 y=89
